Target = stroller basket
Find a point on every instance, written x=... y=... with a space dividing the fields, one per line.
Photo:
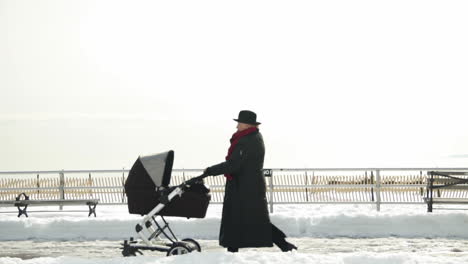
x=148 y=181
x=192 y=204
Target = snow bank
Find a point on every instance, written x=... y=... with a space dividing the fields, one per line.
x=252 y=258
x=114 y=223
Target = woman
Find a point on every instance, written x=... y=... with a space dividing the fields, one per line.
x=245 y=220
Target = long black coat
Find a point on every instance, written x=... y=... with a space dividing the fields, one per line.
x=245 y=220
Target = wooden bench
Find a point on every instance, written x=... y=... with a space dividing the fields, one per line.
x=445 y=181
x=22 y=204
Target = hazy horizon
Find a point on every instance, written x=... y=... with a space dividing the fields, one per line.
x=94 y=84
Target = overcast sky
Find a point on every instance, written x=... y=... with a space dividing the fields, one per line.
x=94 y=84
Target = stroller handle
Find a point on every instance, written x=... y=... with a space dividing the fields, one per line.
x=196 y=179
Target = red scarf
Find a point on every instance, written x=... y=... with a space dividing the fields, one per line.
x=234 y=140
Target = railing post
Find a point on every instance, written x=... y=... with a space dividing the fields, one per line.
x=429 y=190
x=61 y=187
x=271 y=192
x=306 y=189
x=123 y=185
x=372 y=188
x=38 y=186
x=377 y=187
x=269 y=173
x=90 y=184
x=421 y=181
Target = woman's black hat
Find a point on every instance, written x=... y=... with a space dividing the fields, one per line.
x=247 y=117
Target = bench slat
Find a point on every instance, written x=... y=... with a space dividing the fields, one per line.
x=452 y=187
x=451 y=172
x=448 y=200
x=51 y=202
x=446 y=181
x=55 y=202
x=91 y=203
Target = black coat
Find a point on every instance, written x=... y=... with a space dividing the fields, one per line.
x=245 y=220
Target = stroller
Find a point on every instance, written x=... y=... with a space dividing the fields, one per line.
x=149 y=195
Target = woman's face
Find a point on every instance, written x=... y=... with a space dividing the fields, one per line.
x=242 y=126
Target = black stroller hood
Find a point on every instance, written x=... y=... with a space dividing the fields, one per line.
x=151 y=171
x=143 y=191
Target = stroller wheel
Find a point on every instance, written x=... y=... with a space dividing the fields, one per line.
x=130 y=252
x=194 y=244
x=178 y=248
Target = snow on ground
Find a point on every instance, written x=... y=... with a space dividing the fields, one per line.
x=249 y=257
x=356 y=221
x=325 y=233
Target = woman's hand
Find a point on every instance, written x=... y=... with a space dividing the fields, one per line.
x=207 y=172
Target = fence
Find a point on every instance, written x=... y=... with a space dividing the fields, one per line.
x=285 y=186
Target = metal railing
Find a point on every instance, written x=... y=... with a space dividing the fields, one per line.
x=285 y=186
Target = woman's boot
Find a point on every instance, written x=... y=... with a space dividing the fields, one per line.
x=233 y=250
x=279 y=240
x=286 y=246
